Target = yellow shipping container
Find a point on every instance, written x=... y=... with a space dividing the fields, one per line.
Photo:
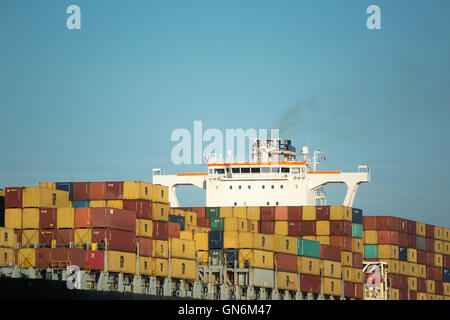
x=281 y=228
x=412 y=283
x=438 y=233
x=331 y=269
x=134 y=190
x=192 y=228
x=370 y=237
x=439 y=246
x=48 y=185
x=183 y=249
x=201 y=241
x=160 y=193
x=160 y=211
x=322 y=228
x=119 y=261
x=309 y=213
x=312 y=238
x=421 y=296
x=439 y=297
x=160 y=249
x=309 y=265
x=287 y=281
x=446 y=288
x=438 y=262
x=13 y=218
x=187 y=235
x=7 y=238
x=285 y=244
x=395 y=294
x=446 y=248
x=256 y=258
x=202 y=257
x=2 y=193
x=117 y=204
x=347 y=274
x=236 y=224
x=346 y=259
x=420 y=229
x=177 y=212
x=412 y=255
x=357 y=245
x=240 y=212
x=30 y=238
x=82 y=238
x=97 y=203
x=254 y=213
x=447 y=234
x=6 y=257
x=404 y=268
x=161 y=267
x=323 y=240
x=341 y=213
x=190 y=217
x=30 y=218
x=430 y=286
x=331 y=287
x=226 y=212
x=144 y=228
x=249 y=240
x=357 y=275
x=36 y=197
x=253 y=226
x=413 y=269
x=26 y=258
x=146 y=265
x=65 y=218
x=393 y=266
x=230 y=240
x=388 y=252
x=421 y=271
x=183 y=269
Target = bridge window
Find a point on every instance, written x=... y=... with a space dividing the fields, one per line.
x=268 y=203
x=273 y=187
x=295 y=170
x=256 y=170
x=235 y=170
x=276 y=203
x=265 y=170
x=235 y=204
x=281 y=186
x=211 y=171
x=245 y=170
x=240 y=187
x=219 y=171
x=275 y=170
x=249 y=187
x=231 y=187
x=263 y=186
x=285 y=170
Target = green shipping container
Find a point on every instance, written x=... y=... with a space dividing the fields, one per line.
x=308 y=248
x=357 y=230
x=212 y=212
x=216 y=253
x=371 y=251
x=217 y=224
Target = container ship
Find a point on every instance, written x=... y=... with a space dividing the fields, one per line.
x=266 y=233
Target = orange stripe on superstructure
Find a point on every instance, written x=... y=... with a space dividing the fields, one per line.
x=284 y=163
x=193 y=174
x=326 y=172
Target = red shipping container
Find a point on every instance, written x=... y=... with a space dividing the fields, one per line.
x=345 y=243
x=403 y=294
x=97 y=191
x=307 y=228
x=412 y=295
x=145 y=246
x=160 y=230
x=64 y=237
x=294 y=228
x=395 y=281
x=446 y=261
x=201 y=211
x=369 y=222
x=43 y=258
x=347 y=229
x=349 y=289
x=430 y=244
x=46 y=237
x=47 y=218
x=421 y=285
x=173 y=229
x=404 y=225
x=18 y=237
x=421 y=257
x=80 y=191
x=143 y=208
x=105 y=218
x=63 y=257
x=357 y=260
x=204 y=222
x=438 y=274
x=114 y=190
x=267 y=213
x=359 y=290
x=412 y=228
x=403 y=239
x=430 y=272
x=439 y=287
x=429 y=231
x=286 y=262
x=336 y=228
x=288 y=213
x=14 y=197
x=323 y=213
x=412 y=241
x=309 y=283
x=330 y=253
x=388 y=223
x=267 y=227
x=430 y=258
x=118 y=240
x=95 y=260
x=388 y=237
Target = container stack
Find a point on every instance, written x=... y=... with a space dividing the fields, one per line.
x=7 y=246
x=417 y=255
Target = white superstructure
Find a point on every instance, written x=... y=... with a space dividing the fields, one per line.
x=273 y=177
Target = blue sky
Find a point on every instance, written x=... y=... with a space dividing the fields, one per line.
x=100 y=103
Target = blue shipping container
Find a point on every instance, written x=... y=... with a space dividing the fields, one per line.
x=65 y=186
x=215 y=240
x=403 y=254
x=178 y=219
x=446 y=275
x=80 y=204
x=357 y=216
x=231 y=255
